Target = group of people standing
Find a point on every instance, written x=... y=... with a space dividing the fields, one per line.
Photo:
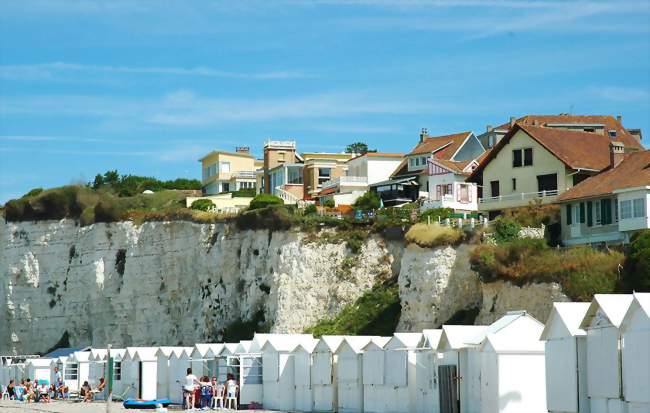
x=205 y=393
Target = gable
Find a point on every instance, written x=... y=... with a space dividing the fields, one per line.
x=471 y=149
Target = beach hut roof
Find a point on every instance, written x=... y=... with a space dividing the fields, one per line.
x=516 y=331
x=259 y=340
x=457 y=337
x=286 y=342
x=145 y=353
x=206 y=350
x=404 y=341
x=244 y=347
x=307 y=345
x=181 y=352
x=357 y=343
x=79 y=356
x=64 y=351
x=612 y=306
x=117 y=353
x=39 y=362
x=329 y=343
x=568 y=316
x=640 y=301
x=229 y=349
x=168 y=351
x=430 y=338
x=98 y=354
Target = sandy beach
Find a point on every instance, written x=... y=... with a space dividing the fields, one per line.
x=11 y=406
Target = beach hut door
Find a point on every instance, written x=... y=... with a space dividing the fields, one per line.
x=448 y=389
x=139 y=379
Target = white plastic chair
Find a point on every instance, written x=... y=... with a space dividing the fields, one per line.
x=218 y=397
x=5 y=394
x=232 y=396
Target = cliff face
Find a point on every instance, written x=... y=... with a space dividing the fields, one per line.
x=169 y=283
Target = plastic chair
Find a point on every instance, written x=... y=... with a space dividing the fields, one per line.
x=218 y=397
x=5 y=394
x=232 y=397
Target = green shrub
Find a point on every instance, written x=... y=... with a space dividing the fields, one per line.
x=108 y=210
x=329 y=203
x=33 y=192
x=534 y=214
x=376 y=312
x=87 y=217
x=434 y=214
x=245 y=193
x=264 y=200
x=434 y=235
x=202 y=204
x=368 y=201
x=505 y=229
x=274 y=217
x=355 y=240
x=581 y=271
x=311 y=209
x=636 y=275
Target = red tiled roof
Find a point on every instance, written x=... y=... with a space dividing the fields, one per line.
x=444 y=147
x=608 y=122
x=632 y=172
x=454 y=166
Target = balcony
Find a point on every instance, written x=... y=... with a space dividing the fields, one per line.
x=516 y=200
x=244 y=174
x=357 y=181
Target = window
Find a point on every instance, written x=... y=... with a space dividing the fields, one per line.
x=522 y=157
x=597 y=213
x=464 y=193
x=227 y=365
x=516 y=158
x=638 y=208
x=528 y=157
x=547 y=182
x=490 y=141
x=423 y=160
x=626 y=209
x=494 y=187
x=252 y=370
x=225 y=187
x=294 y=175
x=281 y=157
x=606 y=211
x=612 y=133
x=117 y=370
x=324 y=175
x=72 y=371
x=514 y=184
x=224 y=167
x=444 y=189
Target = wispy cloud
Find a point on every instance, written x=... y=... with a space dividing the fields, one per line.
x=53 y=69
x=621 y=94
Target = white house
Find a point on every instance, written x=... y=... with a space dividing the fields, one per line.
x=635 y=351
x=512 y=366
x=566 y=359
x=324 y=378
x=602 y=322
x=350 y=371
x=447 y=186
x=302 y=364
x=426 y=396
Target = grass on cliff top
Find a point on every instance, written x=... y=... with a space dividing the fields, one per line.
x=434 y=235
x=581 y=271
x=376 y=312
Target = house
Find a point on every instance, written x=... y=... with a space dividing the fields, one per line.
x=534 y=162
x=409 y=181
x=448 y=187
x=321 y=167
x=603 y=125
x=228 y=171
x=277 y=153
x=604 y=374
x=635 y=352
x=362 y=170
x=612 y=205
x=426 y=396
x=566 y=359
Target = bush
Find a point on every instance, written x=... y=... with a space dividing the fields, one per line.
x=311 y=209
x=355 y=240
x=534 y=214
x=274 y=217
x=33 y=192
x=428 y=236
x=108 y=210
x=636 y=275
x=368 y=201
x=505 y=229
x=202 y=205
x=329 y=203
x=581 y=271
x=244 y=193
x=434 y=214
x=264 y=200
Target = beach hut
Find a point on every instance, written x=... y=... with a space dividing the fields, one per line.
x=179 y=362
x=302 y=363
x=38 y=369
x=426 y=395
x=350 y=371
x=69 y=371
x=163 y=355
x=139 y=369
x=204 y=360
x=635 y=352
x=566 y=359
x=278 y=375
x=324 y=374
x=604 y=370
x=512 y=374
x=96 y=365
x=458 y=368
x=82 y=361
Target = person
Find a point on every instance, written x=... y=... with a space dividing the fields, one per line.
x=218 y=391
x=188 y=389
x=231 y=390
x=30 y=395
x=86 y=392
x=11 y=389
x=52 y=391
x=58 y=381
x=100 y=387
x=43 y=392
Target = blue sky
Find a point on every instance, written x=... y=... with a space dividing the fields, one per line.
x=146 y=87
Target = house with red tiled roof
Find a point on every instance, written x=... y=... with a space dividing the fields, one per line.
x=410 y=179
x=448 y=187
x=611 y=206
x=540 y=162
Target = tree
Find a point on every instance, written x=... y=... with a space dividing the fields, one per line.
x=329 y=203
x=264 y=200
x=636 y=275
x=368 y=201
x=359 y=148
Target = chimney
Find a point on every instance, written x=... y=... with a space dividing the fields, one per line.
x=619 y=118
x=489 y=128
x=616 y=153
x=243 y=149
x=512 y=121
x=424 y=133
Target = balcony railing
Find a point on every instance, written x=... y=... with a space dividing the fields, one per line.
x=346 y=180
x=521 y=196
x=244 y=174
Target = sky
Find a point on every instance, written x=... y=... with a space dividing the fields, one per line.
x=147 y=87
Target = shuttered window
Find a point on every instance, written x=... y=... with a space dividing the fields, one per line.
x=568 y=214
x=590 y=218
x=606 y=211
x=582 y=212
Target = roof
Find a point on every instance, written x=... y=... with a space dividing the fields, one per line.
x=287 y=342
x=307 y=345
x=260 y=339
x=456 y=167
x=608 y=122
x=500 y=324
x=144 y=353
x=357 y=343
x=65 y=351
x=444 y=147
x=405 y=340
x=523 y=338
x=330 y=343
x=632 y=172
x=244 y=347
x=206 y=349
x=229 y=349
x=242 y=154
x=430 y=338
x=641 y=301
x=577 y=150
x=378 y=155
x=612 y=306
x=97 y=354
x=570 y=315
x=457 y=337
x=39 y=362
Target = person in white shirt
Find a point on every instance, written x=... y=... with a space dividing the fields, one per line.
x=188 y=389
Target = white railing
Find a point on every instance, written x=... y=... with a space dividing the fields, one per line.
x=286 y=196
x=521 y=196
x=346 y=180
x=280 y=144
x=244 y=174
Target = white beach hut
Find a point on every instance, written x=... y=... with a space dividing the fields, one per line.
x=69 y=371
x=350 y=372
x=245 y=365
x=38 y=369
x=324 y=374
x=458 y=357
x=163 y=356
x=302 y=363
x=635 y=352
x=566 y=359
x=82 y=361
x=602 y=322
x=204 y=358
x=426 y=396
x=179 y=362
x=96 y=365
x=512 y=366
x=139 y=369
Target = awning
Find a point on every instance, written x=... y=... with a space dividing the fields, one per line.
x=410 y=180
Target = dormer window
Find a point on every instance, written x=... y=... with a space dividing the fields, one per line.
x=612 y=133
